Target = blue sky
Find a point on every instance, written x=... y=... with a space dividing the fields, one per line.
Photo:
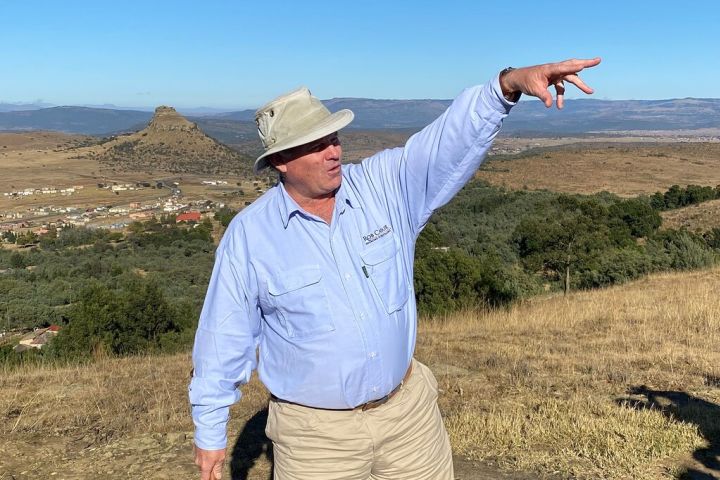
x=239 y=54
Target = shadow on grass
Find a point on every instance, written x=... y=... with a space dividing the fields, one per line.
x=251 y=444
x=690 y=409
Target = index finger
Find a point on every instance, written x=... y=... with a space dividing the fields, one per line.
x=588 y=62
x=569 y=67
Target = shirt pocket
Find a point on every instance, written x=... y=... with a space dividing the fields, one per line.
x=383 y=264
x=299 y=298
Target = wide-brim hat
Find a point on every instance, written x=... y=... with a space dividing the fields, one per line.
x=294 y=119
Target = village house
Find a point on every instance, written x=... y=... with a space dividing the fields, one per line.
x=141 y=215
x=171 y=206
x=38 y=338
x=188 y=217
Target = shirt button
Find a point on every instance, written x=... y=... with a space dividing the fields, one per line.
x=362 y=315
x=372 y=355
x=348 y=276
x=375 y=389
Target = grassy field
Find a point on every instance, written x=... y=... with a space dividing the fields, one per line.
x=696 y=218
x=620 y=383
x=624 y=169
x=617 y=383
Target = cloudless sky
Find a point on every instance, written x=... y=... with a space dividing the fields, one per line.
x=240 y=54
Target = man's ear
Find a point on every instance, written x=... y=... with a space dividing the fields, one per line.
x=277 y=162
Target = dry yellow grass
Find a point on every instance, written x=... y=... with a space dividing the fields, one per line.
x=619 y=383
x=549 y=382
x=10 y=141
x=626 y=170
x=696 y=218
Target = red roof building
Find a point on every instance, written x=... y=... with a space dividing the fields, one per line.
x=188 y=217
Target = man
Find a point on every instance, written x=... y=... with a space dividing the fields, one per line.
x=313 y=285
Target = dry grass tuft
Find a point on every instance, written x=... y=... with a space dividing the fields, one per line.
x=109 y=398
x=695 y=218
x=579 y=437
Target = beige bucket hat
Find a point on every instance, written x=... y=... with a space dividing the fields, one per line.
x=294 y=119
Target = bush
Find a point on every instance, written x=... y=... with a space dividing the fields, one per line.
x=128 y=320
x=681 y=250
x=225 y=215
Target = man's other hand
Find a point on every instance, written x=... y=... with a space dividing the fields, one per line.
x=210 y=462
x=536 y=80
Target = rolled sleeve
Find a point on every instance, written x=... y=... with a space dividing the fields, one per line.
x=224 y=354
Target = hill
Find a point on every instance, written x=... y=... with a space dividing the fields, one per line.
x=373 y=114
x=171 y=143
x=529 y=117
x=591 y=115
x=88 y=121
x=532 y=118
x=14 y=107
x=39 y=140
x=696 y=218
x=616 y=383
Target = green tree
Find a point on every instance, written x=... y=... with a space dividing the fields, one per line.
x=17 y=260
x=225 y=215
x=638 y=215
x=570 y=241
x=128 y=320
x=26 y=238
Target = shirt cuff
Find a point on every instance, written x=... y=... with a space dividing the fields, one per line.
x=498 y=100
x=210 y=438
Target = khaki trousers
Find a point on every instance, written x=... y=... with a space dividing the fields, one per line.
x=402 y=439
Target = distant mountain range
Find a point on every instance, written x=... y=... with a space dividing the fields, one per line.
x=589 y=115
x=528 y=117
x=84 y=120
x=12 y=107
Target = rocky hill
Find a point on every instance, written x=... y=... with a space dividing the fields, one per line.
x=171 y=143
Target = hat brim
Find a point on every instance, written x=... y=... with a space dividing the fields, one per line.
x=330 y=124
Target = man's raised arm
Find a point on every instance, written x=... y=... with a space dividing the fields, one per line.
x=437 y=161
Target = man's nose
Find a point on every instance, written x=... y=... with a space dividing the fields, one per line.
x=332 y=151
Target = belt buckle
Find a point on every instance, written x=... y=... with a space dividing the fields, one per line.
x=374 y=403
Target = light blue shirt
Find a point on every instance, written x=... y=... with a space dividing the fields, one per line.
x=330 y=309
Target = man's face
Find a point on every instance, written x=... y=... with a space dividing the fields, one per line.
x=312 y=170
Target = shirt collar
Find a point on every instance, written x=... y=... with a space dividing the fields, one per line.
x=286 y=205
x=345 y=195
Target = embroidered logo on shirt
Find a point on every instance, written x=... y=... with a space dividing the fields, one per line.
x=376 y=234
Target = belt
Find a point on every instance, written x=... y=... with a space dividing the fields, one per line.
x=364 y=406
